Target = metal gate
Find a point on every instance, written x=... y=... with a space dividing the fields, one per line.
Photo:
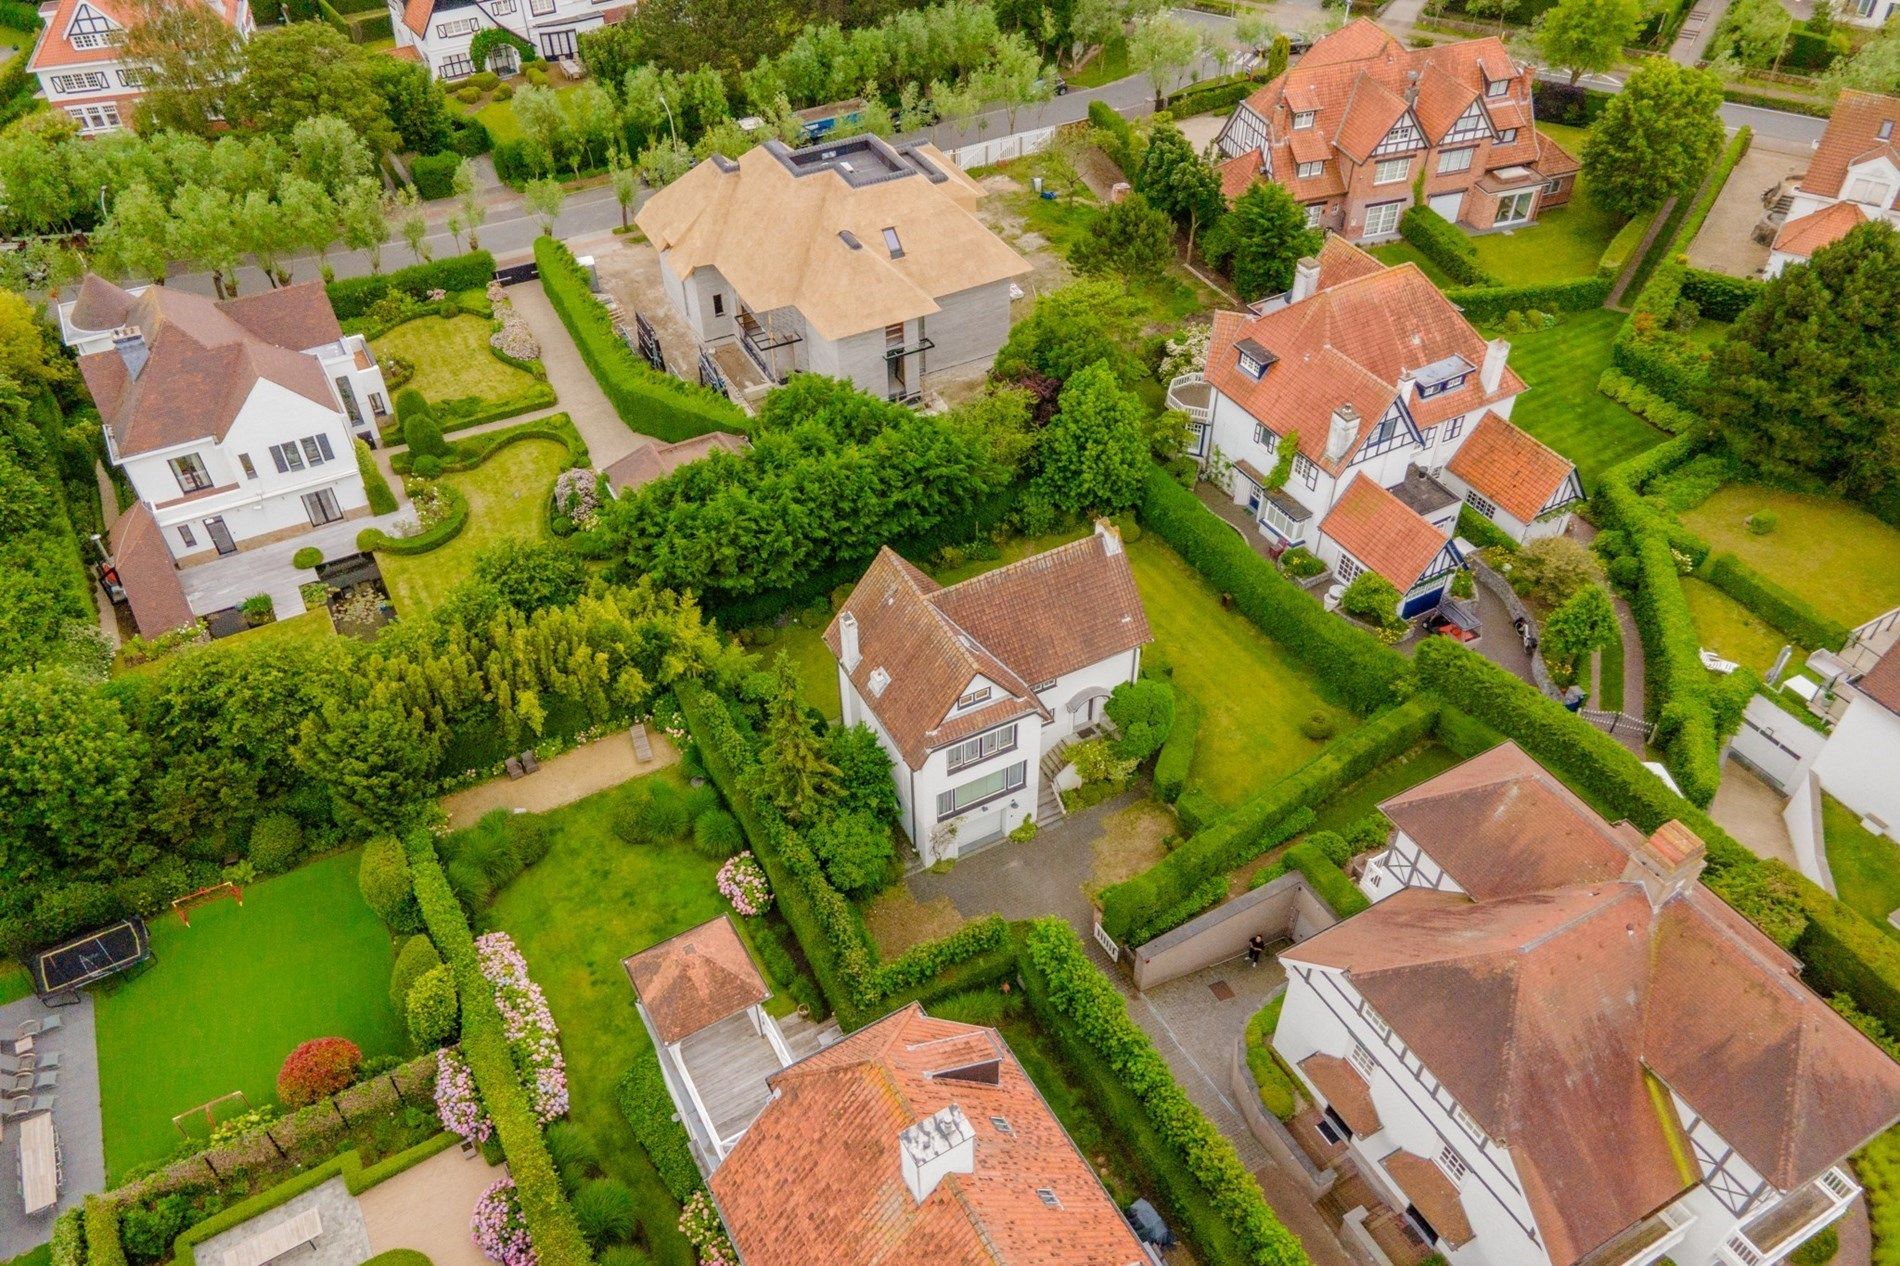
x=649 y=342
x=709 y=375
x=518 y=273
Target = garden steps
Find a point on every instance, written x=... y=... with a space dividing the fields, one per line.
x=804 y=1036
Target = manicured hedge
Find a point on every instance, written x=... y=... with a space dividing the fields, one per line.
x=1205 y=896
x=471 y=451
x=1177 y=753
x=1489 y=304
x=1843 y=951
x=68 y=1245
x=649 y=402
x=648 y=1107
x=1193 y=1163
x=1788 y=612
x=1483 y=533
x=1646 y=404
x=1328 y=880
x=1463 y=734
x=103 y=1246
x=1349 y=662
x=1685 y=726
x=1719 y=296
x=1622 y=248
x=352 y=296
x=1273 y=816
x=434 y=175
x=381 y=499
x=373 y=540
x=928 y=959
x=1446 y=245
x=1221 y=94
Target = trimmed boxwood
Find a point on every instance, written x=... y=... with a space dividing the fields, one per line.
x=1685 y=726
x=1177 y=753
x=1646 y=404
x=373 y=540
x=1328 y=881
x=1205 y=896
x=1789 y=613
x=1487 y=305
x=1446 y=245
x=648 y=1107
x=1721 y=297
x=434 y=175
x=352 y=296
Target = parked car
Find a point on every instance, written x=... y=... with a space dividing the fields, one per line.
x=1061 y=86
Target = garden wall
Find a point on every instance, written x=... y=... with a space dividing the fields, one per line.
x=1284 y=909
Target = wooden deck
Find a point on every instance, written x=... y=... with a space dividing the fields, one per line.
x=729 y=1064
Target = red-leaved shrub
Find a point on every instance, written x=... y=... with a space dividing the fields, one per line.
x=322 y=1066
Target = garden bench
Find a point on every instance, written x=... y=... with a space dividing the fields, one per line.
x=642 y=749
x=268 y=1246
x=529 y=763
x=513 y=766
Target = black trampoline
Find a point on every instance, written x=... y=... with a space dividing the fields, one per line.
x=85 y=960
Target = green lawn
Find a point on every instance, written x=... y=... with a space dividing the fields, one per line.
x=1403 y=252
x=803 y=641
x=14 y=983
x=1108 y=66
x=1838 y=557
x=1708 y=333
x=1865 y=866
x=1566 y=242
x=1427 y=760
x=1731 y=630
x=1563 y=407
x=230 y=996
x=453 y=360
x=507 y=496
x=576 y=914
x=1253 y=694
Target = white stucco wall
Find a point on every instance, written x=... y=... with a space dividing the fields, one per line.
x=969 y=327
x=1858 y=765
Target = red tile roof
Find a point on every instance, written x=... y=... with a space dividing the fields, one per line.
x=1432 y=1193
x=1509 y=468
x=1382 y=532
x=1882 y=683
x=1853 y=135
x=653 y=461
x=54 y=49
x=150 y=577
x=819 y=1177
x=1346 y=1091
x=695 y=979
x=1807 y=234
x=416 y=14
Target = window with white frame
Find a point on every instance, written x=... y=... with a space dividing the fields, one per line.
x=1870 y=190
x=457 y=67
x=1308 y=473
x=460 y=26
x=95 y=118
x=1391 y=171
x=1302 y=119
x=502 y=8
x=972 y=751
x=87 y=81
x=1478 y=503
x=1307 y=171
x=540 y=8
x=1455 y=427
x=1383 y=218
x=1313 y=212
x=1363 y=1061
x=1496 y=87
x=131 y=78
x=1348 y=568
x=969 y=700
x=1452 y=1163
x=190 y=472
x=1277 y=519
x=1455 y=160
x=1252 y=366
x=981 y=790
x=104 y=39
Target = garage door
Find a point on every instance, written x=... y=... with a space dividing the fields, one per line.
x=1447 y=204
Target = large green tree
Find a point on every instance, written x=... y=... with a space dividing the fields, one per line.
x=1585 y=35
x=1093 y=452
x=1265 y=236
x=1130 y=238
x=70 y=769
x=189 y=57
x=793 y=771
x=1179 y=182
x=1808 y=381
x=1585 y=622
x=1654 y=136
x=1072 y=328
x=306 y=69
x=415 y=103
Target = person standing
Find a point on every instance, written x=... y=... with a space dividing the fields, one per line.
x=1255 y=948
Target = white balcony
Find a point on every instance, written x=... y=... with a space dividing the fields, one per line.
x=1791 y=1221
x=1191 y=395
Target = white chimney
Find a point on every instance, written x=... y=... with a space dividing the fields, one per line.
x=1492 y=371
x=1111 y=539
x=939 y=1145
x=1345 y=430
x=1305 y=279
x=1408 y=383
x=848 y=640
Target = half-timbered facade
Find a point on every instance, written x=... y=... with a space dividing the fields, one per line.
x=78 y=62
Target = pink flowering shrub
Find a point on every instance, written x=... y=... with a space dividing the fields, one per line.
x=500 y=1229
x=456 y=1100
x=743 y=883
x=533 y=1037
x=699 y=1223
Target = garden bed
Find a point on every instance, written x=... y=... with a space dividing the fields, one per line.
x=458 y=373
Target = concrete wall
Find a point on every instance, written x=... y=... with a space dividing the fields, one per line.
x=970 y=326
x=1271 y=1132
x=1857 y=765
x=1284 y=910
x=1802 y=814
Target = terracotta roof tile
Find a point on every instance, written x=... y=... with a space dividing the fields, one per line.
x=1370 y=113
x=1345 y=1089
x=1804 y=235
x=819 y=1176
x=1882 y=682
x=1237 y=174
x=150 y=577
x=695 y=979
x=1432 y=1193
x=416 y=15
x=1382 y=532
x=100 y=305
x=54 y=49
x=653 y=461
x=1308 y=146
x=1508 y=467
x=1853 y=130
x=298 y=317
x=1554 y=160
x=1330 y=182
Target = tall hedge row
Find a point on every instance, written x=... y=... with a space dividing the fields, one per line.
x=1488 y=305
x=1719 y=296
x=352 y=296
x=1445 y=244
x=1685 y=724
x=1788 y=612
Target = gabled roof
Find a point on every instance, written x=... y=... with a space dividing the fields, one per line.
x=55 y=49
x=1346 y=1091
x=1882 y=682
x=298 y=317
x=1383 y=532
x=416 y=15
x=788 y=231
x=1509 y=468
x=653 y=461
x=1017 y=626
x=1348 y=343
x=1804 y=235
x=819 y=1176
x=146 y=570
x=1547 y=1013
x=695 y=979
x=1852 y=136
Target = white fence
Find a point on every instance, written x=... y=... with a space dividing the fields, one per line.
x=1002 y=148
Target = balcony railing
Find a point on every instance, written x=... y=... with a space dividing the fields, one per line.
x=1772 y=1234
x=1191 y=395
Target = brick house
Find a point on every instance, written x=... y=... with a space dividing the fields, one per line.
x=77 y=61
x=1352 y=127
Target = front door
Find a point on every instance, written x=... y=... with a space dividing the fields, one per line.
x=557 y=44
x=1253 y=500
x=220 y=536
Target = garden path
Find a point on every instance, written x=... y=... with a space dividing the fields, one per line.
x=388 y=450
x=596 y=766
x=1750 y=810
x=75 y=1118
x=343 y=1241
x=427 y=1208
x=1634 y=700
x=608 y=438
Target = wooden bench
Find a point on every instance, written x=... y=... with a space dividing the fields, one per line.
x=642 y=749
x=268 y=1246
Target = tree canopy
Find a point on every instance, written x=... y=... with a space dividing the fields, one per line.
x=1265 y=236
x=1655 y=135
x=1585 y=35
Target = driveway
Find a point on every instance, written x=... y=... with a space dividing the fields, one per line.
x=1724 y=243
x=608 y=439
x=1750 y=810
x=75 y=1120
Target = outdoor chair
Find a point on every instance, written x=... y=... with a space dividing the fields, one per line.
x=34 y=1028
x=44 y=1103
x=18 y=1085
x=529 y=763
x=513 y=766
x=45 y=1081
x=39 y=1063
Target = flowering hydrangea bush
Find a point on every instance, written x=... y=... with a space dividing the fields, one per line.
x=699 y=1223
x=577 y=495
x=456 y=1100
x=500 y=1229
x=743 y=883
x=533 y=1037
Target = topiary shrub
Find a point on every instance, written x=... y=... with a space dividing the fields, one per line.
x=468 y=94
x=716 y=834
x=428 y=466
x=1144 y=713
x=531 y=835
x=383 y=877
x=322 y=1066
x=420 y=430
x=431 y=1010
x=307 y=557
x=605 y=1211
x=1319 y=727
x=276 y=843
x=415 y=959
x=1761 y=523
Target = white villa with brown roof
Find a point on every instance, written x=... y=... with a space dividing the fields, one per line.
x=1547 y=1044
x=1853 y=178
x=858 y=259
x=974 y=689
x=1382 y=383
x=77 y=61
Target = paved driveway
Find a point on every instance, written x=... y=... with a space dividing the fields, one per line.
x=1724 y=243
x=427 y=1208
x=608 y=438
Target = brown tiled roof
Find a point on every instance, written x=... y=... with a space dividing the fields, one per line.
x=410 y=53
x=1510 y=468
x=1371 y=111
x=1853 y=134
x=1018 y=626
x=298 y=317
x=100 y=305
x=416 y=15
x=695 y=979
x=653 y=461
x=1237 y=174
x=1348 y=344
x=201 y=367
x=146 y=570
x=819 y=1176
x=1432 y=1193
x=1442 y=99
x=1345 y=1090
x=1545 y=1012
x=1882 y=682
x=1804 y=235
x=1382 y=532
x=1554 y=160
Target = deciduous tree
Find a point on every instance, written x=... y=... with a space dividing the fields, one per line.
x=307 y=69
x=189 y=58
x=1264 y=237
x=1163 y=48
x=1585 y=622
x=1655 y=135
x=1178 y=182
x=1582 y=35
x=1130 y=238
x=69 y=780
x=1093 y=453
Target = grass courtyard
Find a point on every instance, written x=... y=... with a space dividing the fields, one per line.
x=1865 y=866
x=507 y=496
x=1563 y=407
x=1345 y=807
x=453 y=360
x=229 y=996
x=1838 y=557
x=1731 y=630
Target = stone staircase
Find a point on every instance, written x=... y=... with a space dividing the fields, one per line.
x=1049 y=810
x=805 y=1037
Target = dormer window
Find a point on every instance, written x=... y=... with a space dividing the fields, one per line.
x=1253 y=359
x=1307 y=171
x=1870 y=190
x=1303 y=119
x=980 y=695
x=891 y=244
x=1507 y=135
x=1496 y=87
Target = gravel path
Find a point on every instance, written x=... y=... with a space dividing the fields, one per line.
x=563 y=779
x=427 y=1208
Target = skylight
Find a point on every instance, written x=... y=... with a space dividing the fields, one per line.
x=891 y=244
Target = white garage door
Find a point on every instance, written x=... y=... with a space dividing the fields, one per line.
x=1447 y=204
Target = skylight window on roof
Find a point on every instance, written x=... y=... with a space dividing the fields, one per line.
x=1048 y=1197
x=891 y=244
x=879 y=680
x=1886 y=130
x=1002 y=1125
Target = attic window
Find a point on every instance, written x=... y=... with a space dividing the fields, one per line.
x=1048 y=1197
x=1253 y=359
x=1002 y=1125
x=1496 y=87
x=979 y=695
x=850 y=239
x=1886 y=130
x=1302 y=119
x=879 y=680
x=891 y=244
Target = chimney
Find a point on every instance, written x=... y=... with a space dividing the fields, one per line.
x=939 y=1145
x=1111 y=538
x=133 y=351
x=1667 y=862
x=1344 y=431
x=1411 y=87
x=1491 y=373
x=1408 y=383
x=1305 y=279
x=848 y=640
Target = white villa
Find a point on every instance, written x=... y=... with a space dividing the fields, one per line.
x=1383 y=383
x=974 y=689
x=856 y=258
x=1547 y=1044
x=77 y=62
x=1854 y=177
x=235 y=421
x=1857 y=764
x=438 y=33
